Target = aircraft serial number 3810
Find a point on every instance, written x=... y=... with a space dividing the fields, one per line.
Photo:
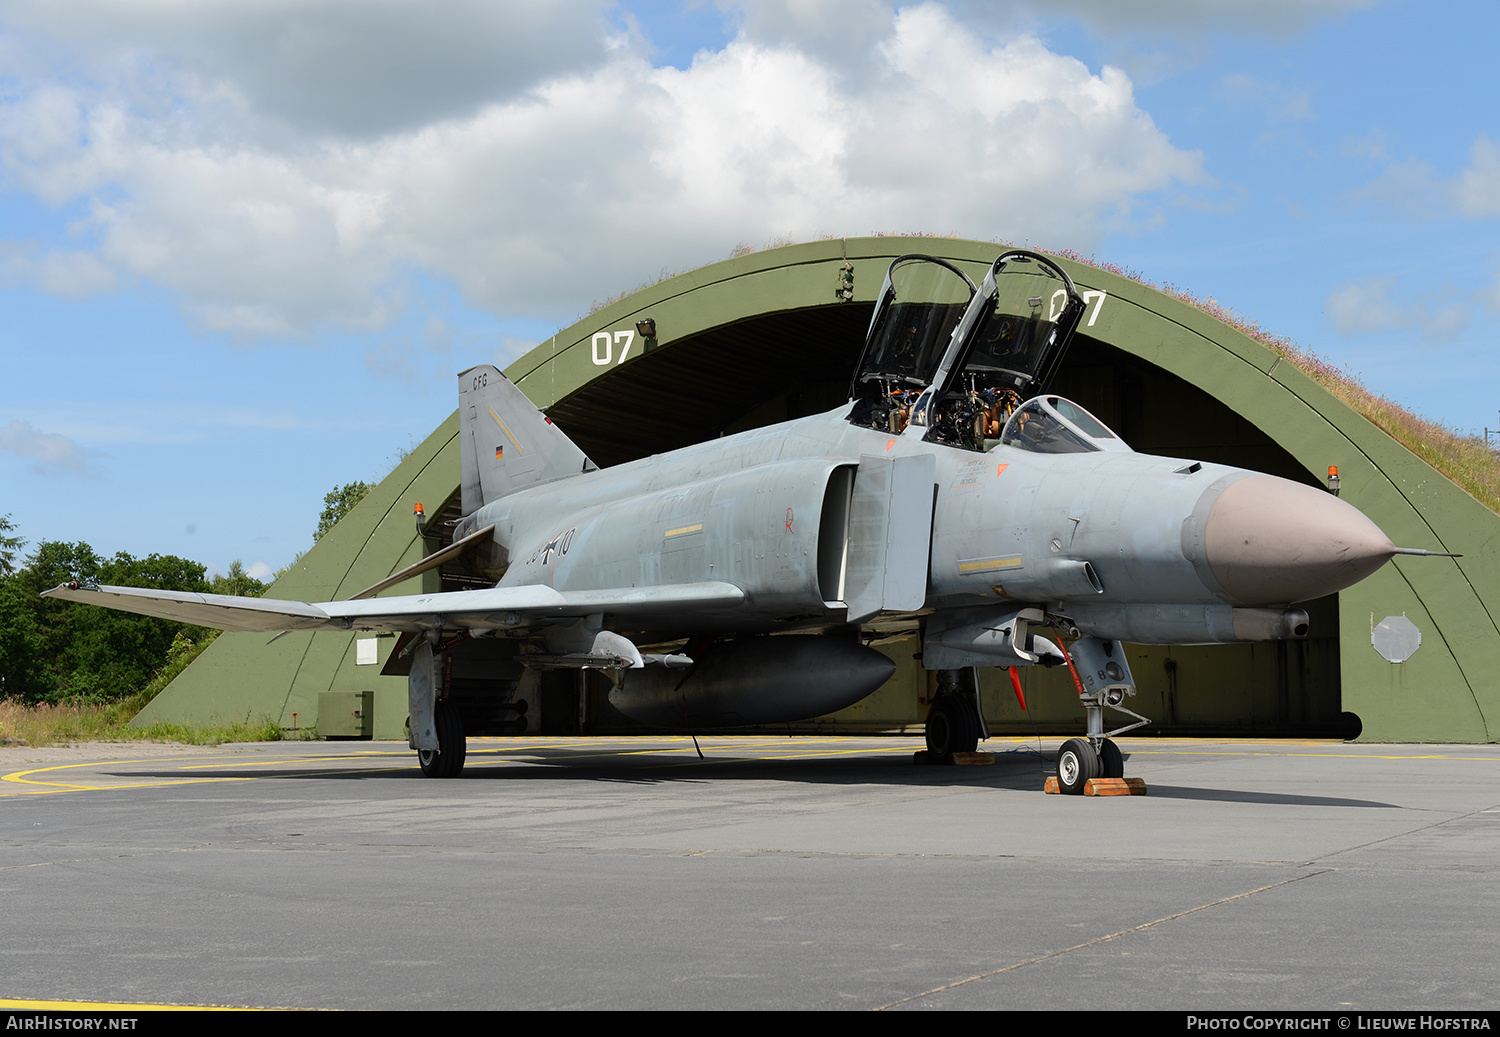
x=950 y=500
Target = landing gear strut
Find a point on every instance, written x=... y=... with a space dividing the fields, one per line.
x=436 y=728
x=1103 y=679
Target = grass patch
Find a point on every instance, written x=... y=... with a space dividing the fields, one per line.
x=46 y=724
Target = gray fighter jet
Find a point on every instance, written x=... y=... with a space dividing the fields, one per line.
x=744 y=580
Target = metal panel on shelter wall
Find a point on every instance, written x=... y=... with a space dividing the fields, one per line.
x=346 y=714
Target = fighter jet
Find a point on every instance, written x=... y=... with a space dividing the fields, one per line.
x=950 y=501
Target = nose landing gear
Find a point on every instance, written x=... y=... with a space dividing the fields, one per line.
x=1103 y=680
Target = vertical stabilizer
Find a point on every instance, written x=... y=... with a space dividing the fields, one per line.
x=505 y=443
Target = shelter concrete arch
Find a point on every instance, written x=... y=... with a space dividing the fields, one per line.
x=763 y=337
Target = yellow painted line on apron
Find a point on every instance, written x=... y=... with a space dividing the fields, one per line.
x=1337 y=756
x=35 y=1005
x=24 y=778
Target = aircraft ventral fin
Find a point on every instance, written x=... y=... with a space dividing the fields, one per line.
x=493 y=607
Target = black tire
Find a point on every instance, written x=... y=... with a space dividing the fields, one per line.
x=1076 y=764
x=952 y=727
x=1111 y=760
x=448 y=761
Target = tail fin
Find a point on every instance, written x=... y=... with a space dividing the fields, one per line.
x=505 y=444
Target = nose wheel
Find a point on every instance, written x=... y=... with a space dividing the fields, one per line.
x=1078 y=761
x=1111 y=760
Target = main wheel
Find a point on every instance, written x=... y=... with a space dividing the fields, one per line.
x=1076 y=764
x=952 y=726
x=448 y=761
x=1111 y=760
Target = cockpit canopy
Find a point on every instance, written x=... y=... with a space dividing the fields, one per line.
x=956 y=359
x=921 y=304
x=1053 y=425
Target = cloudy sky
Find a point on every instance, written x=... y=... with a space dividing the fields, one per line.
x=245 y=244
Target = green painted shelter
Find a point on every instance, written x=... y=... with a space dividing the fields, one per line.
x=768 y=336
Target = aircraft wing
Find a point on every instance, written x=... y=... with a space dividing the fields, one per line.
x=491 y=607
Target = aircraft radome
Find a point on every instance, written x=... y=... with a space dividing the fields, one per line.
x=744 y=580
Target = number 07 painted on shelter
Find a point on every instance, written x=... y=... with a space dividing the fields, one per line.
x=604 y=344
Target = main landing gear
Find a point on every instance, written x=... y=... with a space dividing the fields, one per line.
x=954 y=723
x=436 y=729
x=447 y=761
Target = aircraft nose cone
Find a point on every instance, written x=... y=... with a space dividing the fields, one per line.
x=1269 y=541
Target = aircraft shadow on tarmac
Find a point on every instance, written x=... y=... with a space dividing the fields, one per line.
x=1268 y=798
x=1019 y=770
x=1024 y=770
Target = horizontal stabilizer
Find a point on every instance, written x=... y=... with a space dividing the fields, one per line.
x=454 y=550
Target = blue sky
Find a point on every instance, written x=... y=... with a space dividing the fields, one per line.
x=244 y=246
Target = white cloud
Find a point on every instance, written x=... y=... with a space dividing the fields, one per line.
x=1270 y=17
x=1367 y=307
x=1410 y=186
x=1489 y=295
x=838 y=32
x=125 y=425
x=1280 y=103
x=393 y=360
x=69 y=273
x=74 y=274
x=838 y=28
x=1477 y=190
x=538 y=192
x=1416 y=187
x=47 y=450
x=349 y=67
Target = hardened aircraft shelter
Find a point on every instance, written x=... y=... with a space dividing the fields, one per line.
x=1410 y=654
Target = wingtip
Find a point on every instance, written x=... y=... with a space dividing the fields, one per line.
x=65 y=588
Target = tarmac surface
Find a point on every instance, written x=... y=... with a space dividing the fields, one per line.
x=627 y=873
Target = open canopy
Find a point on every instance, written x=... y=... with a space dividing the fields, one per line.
x=959 y=359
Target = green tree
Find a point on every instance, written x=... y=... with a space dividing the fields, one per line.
x=54 y=650
x=338 y=503
x=20 y=641
x=9 y=545
x=237 y=582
